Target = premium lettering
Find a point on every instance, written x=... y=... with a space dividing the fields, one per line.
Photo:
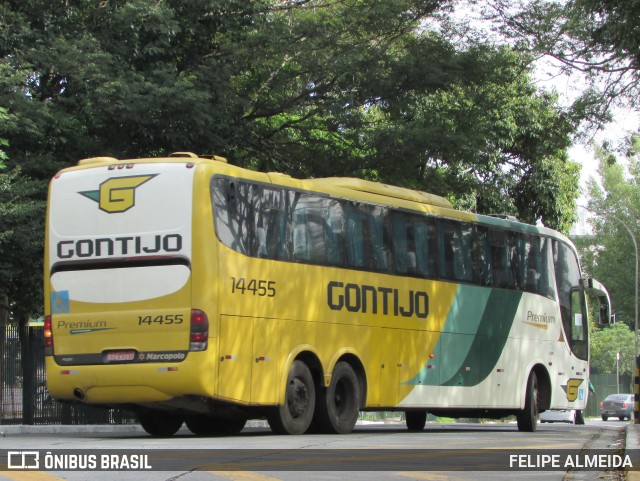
x=377 y=300
x=541 y=318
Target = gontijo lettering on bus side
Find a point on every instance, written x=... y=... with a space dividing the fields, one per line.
x=377 y=300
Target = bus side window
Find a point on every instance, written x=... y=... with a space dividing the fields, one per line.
x=272 y=225
x=424 y=232
x=234 y=215
x=249 y=237
x=336 y=220
x=223 y=216
x=546 y=287
x=380 y=253
x=317 y=229
x=455 y=241
x=402 y=253
x=364 y=237
x=484 y=262
x=500 y=259
x=413 y=240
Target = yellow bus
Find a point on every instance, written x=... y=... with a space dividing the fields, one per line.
x=189 y=290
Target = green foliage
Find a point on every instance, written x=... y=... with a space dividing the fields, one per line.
x=22 y=221
x=606 y=343
x=597 y=38
x=609 y=255
x=310 y=88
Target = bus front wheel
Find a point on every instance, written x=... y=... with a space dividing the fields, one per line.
x=160 y=424
x=528 y=417
x=339 y=405
x=296 y=414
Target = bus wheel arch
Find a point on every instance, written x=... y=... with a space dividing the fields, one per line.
x=537 y=398
x=544 y=387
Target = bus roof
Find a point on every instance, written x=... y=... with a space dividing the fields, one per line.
x=382 y=189
x=348 y=185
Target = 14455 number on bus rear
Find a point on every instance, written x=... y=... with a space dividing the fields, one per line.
x=165 y=319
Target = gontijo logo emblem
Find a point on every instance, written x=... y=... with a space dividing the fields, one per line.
x=117 y=194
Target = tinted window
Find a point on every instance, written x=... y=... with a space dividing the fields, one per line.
x=252 y=219
x=571 y=298
x=414 y=244
x=318 y=230
x=277 y=223
x=455 y=247
x=364 y=236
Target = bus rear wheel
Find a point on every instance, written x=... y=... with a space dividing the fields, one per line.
x=160 y=424
x=415 y=420
x=296 y=414
x=215 y=426
x=528 y=417
x=339 y=405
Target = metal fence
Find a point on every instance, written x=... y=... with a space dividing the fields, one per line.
x=24 y=398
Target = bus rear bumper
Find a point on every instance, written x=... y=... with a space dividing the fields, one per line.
x=129 y=383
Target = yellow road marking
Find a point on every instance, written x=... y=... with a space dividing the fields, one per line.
x=29 y=476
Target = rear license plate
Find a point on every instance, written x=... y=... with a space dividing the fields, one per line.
x=118 y=356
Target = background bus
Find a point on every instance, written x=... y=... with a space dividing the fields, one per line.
x=190 y=290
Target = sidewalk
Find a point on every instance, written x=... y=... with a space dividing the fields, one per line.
x=633 y=443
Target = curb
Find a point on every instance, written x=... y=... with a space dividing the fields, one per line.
x=632 y=442
x=11 y=429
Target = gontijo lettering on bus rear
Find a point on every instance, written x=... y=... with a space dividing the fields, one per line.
x=377 y=300
x=119 y=246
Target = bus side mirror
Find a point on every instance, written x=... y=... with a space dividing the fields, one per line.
x=601 y=294
x=604 y=311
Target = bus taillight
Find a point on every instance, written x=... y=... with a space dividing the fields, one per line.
x=48 y=337
x=199 y=334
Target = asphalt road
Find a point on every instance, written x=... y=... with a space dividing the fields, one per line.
x=379 y=451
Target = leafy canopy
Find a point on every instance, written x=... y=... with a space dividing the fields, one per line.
x=307 y=87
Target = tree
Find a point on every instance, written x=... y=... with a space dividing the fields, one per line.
x=598 y=38
x=310 y=88
x=606 y=344
x=609 y=254
x=22 y=221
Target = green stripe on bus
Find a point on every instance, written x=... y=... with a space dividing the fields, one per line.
x=490 y=339
x=464 y=317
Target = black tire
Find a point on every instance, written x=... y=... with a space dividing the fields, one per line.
x=215 y=426
x=295 y=416
x=160 y=424
x=339 y=405
x=579 y=418
x=528 y=417
x=621 y=418
x=604 y=418
x=415 y=420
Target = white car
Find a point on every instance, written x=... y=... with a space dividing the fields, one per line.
x=558 y=416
